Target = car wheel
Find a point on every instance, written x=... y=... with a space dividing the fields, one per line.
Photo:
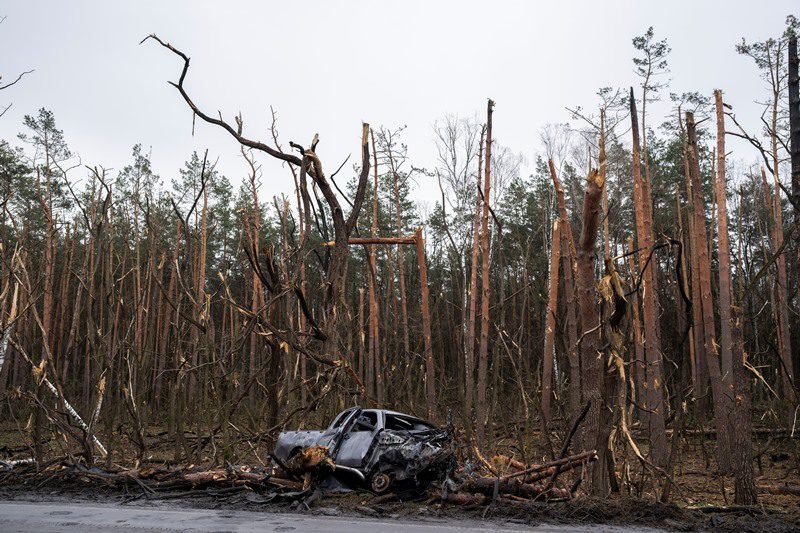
x=380 y=483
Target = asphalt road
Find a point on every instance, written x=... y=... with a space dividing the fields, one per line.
x=59 y=518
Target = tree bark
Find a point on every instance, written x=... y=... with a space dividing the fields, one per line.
x=550 y=323
x=794 y=149
x=601 y=161
x=638 y=341
x=569 y=268
x=745 y=492
x=361 y=335
x=785 y=343
x=723 y=253
x=430 y=369
x=593 y=378
x=654 y=392
x=706 y=303
x=374 y=330
x=699 y=374
x=483 y=349
x=779 y=303
x=401 y=271
x=472 y=308
x=794 y=122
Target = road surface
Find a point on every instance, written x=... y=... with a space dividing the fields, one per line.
x=90 y=518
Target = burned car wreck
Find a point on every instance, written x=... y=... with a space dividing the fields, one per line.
x=376 y=448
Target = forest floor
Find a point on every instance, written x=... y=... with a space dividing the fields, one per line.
x=699 y=503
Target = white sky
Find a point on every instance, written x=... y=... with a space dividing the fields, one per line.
x=327 y=65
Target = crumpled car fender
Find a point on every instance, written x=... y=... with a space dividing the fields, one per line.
x=290 y=442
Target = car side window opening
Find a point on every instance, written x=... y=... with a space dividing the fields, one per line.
x=367 y=421
x=402 y=423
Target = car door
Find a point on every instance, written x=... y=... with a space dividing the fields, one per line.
x=358 y=441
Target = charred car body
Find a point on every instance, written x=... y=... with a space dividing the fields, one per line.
x=377 y=448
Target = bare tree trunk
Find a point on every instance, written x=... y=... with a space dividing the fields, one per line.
x=601 y=160
x=742 y=460
x=255 y=299
x=723 y=253
x=483 y=350
x=794 y=121
x=550 y=323
x=644 y=231
x=775 y=235
x=375 y=346
x=638 y=341
x=684 y=280
x=785 y=343
x=401 y=267
x=794 y=149
x=8 y=326
x=469 y=337
x=63 y=300
x=783 y=297
x=593 y=378
x=430 y=370
x=712 y=357
x=569 y=268
x=361 y=350
x=699 y=375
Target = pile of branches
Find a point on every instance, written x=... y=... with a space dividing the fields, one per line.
x=514 y=480
x=153 y=482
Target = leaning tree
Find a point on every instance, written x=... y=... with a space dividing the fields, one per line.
x=324 y=327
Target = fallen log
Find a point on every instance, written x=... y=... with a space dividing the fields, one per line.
x=205 y=478
x=486 y=486
x=548 y=469
x=460 y=498
x=503 y=463
x=757 y=432
x=784 y=489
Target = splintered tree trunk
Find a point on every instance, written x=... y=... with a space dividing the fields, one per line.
x=568 y=266
x=701 y=251
x=699 y=373
x=550 y=323
x=483 y=350
x=593 y=377
x=654 y=392
x=723 y=252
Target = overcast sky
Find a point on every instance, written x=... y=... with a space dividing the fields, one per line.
x=326 y=66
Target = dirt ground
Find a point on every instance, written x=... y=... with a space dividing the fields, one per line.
x=703 y=501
